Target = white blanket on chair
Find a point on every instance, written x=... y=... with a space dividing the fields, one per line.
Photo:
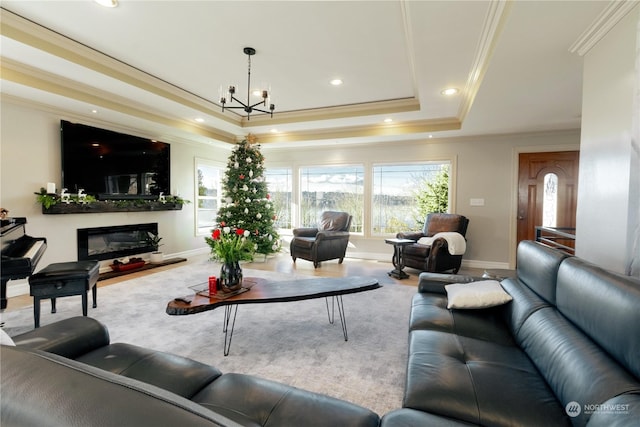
x=456 y=243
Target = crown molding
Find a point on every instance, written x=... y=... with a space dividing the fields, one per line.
x=364 y=131
x=493 y=24
x=336 y=112
x=609 y=18
x=41 y=38
x=38 y=79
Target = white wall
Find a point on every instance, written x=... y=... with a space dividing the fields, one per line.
x=484 y=167
x=608 y=220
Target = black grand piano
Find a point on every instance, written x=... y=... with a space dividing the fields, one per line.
x=20 y=253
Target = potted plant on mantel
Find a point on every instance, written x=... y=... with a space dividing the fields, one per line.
x=157 y=257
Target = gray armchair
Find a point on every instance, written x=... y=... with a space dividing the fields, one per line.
x=327 y=241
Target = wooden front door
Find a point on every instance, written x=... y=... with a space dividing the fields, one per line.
x=532 y=170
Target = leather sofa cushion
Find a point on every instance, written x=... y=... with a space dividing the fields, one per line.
x=525 y=302
x=604 y=305
x=250 y=400
x=70 y=337
x=44 y=389
x=171 y=372
x=573 y=365
x=537 y=267
x=429 y=312
x=406 y=417
x=478 y=382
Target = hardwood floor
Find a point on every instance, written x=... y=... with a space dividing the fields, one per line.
x=281 y=263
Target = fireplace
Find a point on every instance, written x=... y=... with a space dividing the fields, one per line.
x=102 y=243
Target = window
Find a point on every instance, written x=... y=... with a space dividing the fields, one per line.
x=403 y=195
x=336 y=188
x=208 y=196
x=550 y=200
x=279 y=182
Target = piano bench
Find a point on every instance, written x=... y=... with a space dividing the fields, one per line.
x=64 y=279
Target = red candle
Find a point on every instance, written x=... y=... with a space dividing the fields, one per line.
x=213 y=285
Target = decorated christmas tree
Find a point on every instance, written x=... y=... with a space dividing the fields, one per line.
x=246 y=204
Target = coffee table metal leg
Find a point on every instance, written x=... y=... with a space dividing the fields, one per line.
x=343 y=318
x=229 y=312
x=332 y=316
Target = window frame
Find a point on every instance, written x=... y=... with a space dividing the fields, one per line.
x=451 y=161
x=199 y=231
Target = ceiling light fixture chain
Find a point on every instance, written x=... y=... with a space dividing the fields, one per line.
x=247 y=107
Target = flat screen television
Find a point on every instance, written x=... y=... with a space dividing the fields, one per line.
x=112 y=165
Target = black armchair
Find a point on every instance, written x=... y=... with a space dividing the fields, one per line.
x=327 y=241
x=434 y=249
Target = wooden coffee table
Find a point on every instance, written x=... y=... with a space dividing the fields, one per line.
x=264 y=291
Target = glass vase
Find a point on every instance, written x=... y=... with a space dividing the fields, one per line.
x=230 y=276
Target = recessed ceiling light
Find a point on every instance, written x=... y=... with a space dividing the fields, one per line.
x=199 y=119
x=94 y=111
x=449 y=91
x=336 y=82
x=107 y=3
x=274 y=130
x=388 y=120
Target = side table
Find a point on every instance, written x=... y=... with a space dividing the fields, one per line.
x=398 y=262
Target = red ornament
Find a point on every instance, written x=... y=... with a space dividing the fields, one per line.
x=268 y=196
x=241 y=176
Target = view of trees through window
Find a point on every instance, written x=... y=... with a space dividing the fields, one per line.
x=208 y=196
x=403 y=195
x=280 y=184
x=332 y=188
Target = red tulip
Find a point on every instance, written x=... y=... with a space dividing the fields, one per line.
x=239 y=231
x=216 y=234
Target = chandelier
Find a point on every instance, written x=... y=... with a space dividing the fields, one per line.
x=247 y=107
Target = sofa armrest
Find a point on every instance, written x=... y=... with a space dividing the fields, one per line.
x=411 y=235
x=70 y=338
x=305 y=232
x=435 y=282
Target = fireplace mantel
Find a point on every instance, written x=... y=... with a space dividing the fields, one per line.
x=111 y=206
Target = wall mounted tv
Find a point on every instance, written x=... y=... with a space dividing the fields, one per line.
x=112 y=165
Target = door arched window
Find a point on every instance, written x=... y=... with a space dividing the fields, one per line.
x=550 y=201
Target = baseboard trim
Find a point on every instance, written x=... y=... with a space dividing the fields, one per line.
x=469 y=263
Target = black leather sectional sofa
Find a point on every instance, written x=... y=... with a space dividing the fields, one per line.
x=68 y=374
x=564 y=351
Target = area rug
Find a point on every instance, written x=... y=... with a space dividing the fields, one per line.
x=290 y=342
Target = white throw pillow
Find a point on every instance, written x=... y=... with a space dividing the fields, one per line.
x=5 y=339
x=482 y=294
